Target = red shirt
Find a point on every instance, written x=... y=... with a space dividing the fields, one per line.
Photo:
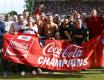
x=94 y=24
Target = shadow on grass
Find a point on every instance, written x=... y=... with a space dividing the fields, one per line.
x=59 y=76
x=53 y=76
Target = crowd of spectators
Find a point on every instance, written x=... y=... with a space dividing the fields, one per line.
x=66 y=7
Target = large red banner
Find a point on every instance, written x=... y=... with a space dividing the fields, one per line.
x=55 y=54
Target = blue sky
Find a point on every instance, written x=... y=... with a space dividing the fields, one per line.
x=9 y=5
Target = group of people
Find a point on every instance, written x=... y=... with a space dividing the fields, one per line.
x=76 y=28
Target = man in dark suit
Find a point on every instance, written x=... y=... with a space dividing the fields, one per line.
x=2 y=30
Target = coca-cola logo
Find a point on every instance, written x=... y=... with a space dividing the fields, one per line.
x=57 y=51
x=17 y=49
